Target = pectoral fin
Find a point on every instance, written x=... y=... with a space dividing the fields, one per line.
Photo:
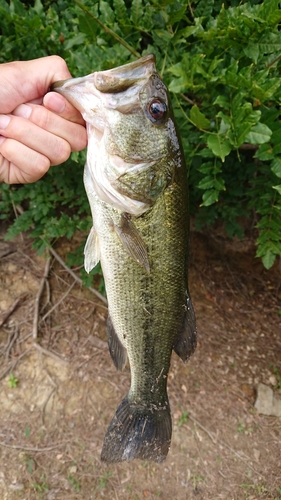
x=117 y=351
x=132 y=241
x=91 y=251
x=185 y=343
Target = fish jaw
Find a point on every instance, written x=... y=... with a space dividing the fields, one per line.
x=90 y=92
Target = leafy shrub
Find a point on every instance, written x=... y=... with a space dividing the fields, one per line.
x=221 y=62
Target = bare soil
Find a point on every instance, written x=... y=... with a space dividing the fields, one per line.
x=57 y=400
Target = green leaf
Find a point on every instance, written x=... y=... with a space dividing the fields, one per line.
x=204 y=8
x=207 y=182
x=121 y=11
x=222 y=101
x=136 y=11
x=188 y=31
x=265 y=152
x=278 y=188
x=209 y=197
x=276 y=166
x=107 y=13
x=252 y=51
x=38 y=7
x=219 y=145
x=268 y=259
x=198 y=118
x=259 y=134
x=76 y=40
x=177 y=15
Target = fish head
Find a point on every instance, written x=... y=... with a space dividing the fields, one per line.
x=133 y=145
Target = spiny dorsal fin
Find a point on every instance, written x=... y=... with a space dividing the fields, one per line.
x=132 y=241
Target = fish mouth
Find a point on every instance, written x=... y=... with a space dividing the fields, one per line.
x=120 y=79
x=85 y=91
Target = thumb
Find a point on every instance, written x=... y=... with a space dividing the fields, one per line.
x=59 y=105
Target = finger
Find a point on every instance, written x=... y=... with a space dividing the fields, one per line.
x=20 y=164
x=55 y=148
x=58 y=104
x=73 y=133
x=25 y=81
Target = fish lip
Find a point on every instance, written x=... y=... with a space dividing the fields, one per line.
x=115 y=79
x=121 y=78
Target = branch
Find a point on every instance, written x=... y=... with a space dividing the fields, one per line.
x=60 y=260
x=49 y=353
x=108 y=30
x=37 y=300
x=216 y=440
x=30 y=448
x=59 y=302
x=11 y=309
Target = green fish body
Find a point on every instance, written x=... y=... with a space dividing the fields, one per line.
x=136 y=182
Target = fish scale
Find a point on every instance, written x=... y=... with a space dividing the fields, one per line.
x=136 y=182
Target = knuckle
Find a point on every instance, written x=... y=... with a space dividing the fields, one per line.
x=59 y=63
x=40 y=117
x=41 y=166
x=62 y=152
x=79 y=141
x=7 y=148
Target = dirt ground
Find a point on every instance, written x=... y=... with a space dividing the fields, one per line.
x=57 y=399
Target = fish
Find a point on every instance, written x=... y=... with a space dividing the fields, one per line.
x=136 y=182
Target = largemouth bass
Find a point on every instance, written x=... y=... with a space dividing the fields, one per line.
x=136 y=182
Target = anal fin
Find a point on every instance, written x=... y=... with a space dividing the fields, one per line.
x=117 y=351
x=186 y=341
x=132 y=241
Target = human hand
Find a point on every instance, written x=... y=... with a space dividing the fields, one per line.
x=37 y=128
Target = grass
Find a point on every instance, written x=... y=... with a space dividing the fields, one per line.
x=13 y=381
x=277 y=374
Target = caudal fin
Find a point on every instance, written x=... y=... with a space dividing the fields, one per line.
x=138 y=433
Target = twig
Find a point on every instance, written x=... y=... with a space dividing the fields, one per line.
x=273 y=62
x=59 y=302
x=210 y=434
x=11 y=309
x=30 y=448
x=49 y=353
x=188 y=100
x=37 y=300
x=45 y=404
x=96 y=342
x=60 y=260
x=222 y=443
x=108 y=30
x=86 y=361
x=11 y=340
x=6 y=250
x=14 y=363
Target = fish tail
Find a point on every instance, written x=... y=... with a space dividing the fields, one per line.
x=135 y=432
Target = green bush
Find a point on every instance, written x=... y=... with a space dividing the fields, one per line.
x=221 y=62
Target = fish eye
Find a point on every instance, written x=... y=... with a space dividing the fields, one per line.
x=157 y=109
